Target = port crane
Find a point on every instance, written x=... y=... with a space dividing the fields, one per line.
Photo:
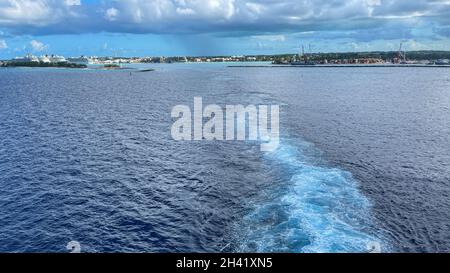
x=401 y=55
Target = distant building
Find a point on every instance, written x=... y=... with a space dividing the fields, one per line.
x=442 y=62
x=219 y=60
x=158 y=60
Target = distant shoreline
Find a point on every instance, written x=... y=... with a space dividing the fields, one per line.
x=42 y=65
x=339 y=66
x=282 y=58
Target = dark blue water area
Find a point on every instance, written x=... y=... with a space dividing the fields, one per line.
x=88 y=156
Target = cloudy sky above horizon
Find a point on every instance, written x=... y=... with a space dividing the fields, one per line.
x=214 y=27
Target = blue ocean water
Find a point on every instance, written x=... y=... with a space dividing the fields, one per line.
x=88 y=156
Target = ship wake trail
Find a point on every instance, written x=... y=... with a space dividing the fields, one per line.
x=315 y=209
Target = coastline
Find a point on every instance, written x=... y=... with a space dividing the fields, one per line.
x=43 y=65
x=339 y=66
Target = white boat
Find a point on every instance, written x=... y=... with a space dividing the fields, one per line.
x=80 y=60
x=57 y=59
x=44 y=59
x=29 y=58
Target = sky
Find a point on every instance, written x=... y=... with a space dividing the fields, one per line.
x=219 y=27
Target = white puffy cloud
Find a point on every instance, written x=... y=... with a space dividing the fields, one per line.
x=185 y=11
x=14 y=11
x=171 y=10
x=73 y=2
x=35 y=12
x=111 y=14
x=37 y=46
x=271 y=38
x=3 y=44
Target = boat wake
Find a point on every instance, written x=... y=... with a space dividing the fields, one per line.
x=316 y=209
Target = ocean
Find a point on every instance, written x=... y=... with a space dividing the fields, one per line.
x=87 y=156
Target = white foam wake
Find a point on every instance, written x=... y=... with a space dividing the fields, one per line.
x=319 y=209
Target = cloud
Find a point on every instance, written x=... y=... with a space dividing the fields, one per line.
x=37 y=46
x=230 y=17
x=185 y=11
x=35 y=13
x=72 y=2
x=111 y=14
x=271 y=38
x=3 y=44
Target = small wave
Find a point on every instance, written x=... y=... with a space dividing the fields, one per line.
x=319 y=209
